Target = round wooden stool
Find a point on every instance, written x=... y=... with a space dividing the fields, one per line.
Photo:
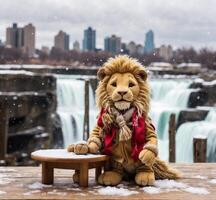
x=60 y=158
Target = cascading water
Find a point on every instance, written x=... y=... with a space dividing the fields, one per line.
x=187 y=131
x=168 y=96
x=70 y=93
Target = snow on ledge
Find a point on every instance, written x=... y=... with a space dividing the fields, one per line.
x=62 y=154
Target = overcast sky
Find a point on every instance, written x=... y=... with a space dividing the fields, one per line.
x=176 y=22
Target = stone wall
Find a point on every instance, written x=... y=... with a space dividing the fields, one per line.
x=30 y=101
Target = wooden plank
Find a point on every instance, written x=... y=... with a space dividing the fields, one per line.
x=172 y=133
x=86 y=111
x=199 y=149
x=21 y=178
x=3 y=131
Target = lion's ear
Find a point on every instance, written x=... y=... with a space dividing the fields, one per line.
x=143 y=74
x=101 y=74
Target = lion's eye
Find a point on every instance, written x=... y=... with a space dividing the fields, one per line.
x=114 y=84
x=131 y=84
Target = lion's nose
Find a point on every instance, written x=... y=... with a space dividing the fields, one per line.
x=122 y=93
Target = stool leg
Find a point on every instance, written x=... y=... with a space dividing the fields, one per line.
x=83 y=181
x=47 y=173
x=97 y=173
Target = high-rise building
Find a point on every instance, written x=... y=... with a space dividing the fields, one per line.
x=76 y=46
x=1 y=43
x=112 y=44
x=14 y=36
x=132 y=48
x=166 y=52
x=45 y=50
x=22 y=38
x=139 y=49
x=149 y=42
x=29 y=40
x=124 y=49
x=89 y=40
x=61 y=41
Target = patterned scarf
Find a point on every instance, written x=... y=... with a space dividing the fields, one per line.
x=112 y=122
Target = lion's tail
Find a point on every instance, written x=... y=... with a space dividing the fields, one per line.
x=163 y=171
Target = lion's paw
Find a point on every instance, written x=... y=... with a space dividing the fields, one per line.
x=81 y=149
x=110 y=178
x=145 y=178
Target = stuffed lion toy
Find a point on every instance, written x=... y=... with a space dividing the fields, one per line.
x=123 y=130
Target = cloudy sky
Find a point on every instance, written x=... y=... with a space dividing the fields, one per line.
x=176 y=22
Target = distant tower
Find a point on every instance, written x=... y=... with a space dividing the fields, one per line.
x=61 y=41
x=149 y=42
x=166 y=52
x=1 y=43
x=14 y=36
x=132 y=48
x=76 y=46
x=89 y=40
x=29 y=40
x=112 y=44
x=22 y=38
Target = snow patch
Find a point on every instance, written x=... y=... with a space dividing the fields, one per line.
x=74 y=189
x=151 y=190
x=31 y=192
x=63 y=154
x=196 y=190
x=38 y=185
x=213 y=181
x=2 y=192
x=5 y=169
x=55 y=192
x=169 y=184
x=4 y=180
x=116 y=191
x=200 y=177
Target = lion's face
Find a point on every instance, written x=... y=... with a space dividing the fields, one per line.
x=123 y=84
x=122 y=90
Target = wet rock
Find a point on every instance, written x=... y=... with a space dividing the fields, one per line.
x=191 y=115
x=198 y=98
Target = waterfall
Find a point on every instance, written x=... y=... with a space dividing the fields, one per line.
x=186 y=133
x=70 y=97
x=168 y=96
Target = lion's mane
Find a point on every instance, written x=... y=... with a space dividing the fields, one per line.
x=123 y=64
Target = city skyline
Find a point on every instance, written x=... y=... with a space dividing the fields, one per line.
x=176 y=23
